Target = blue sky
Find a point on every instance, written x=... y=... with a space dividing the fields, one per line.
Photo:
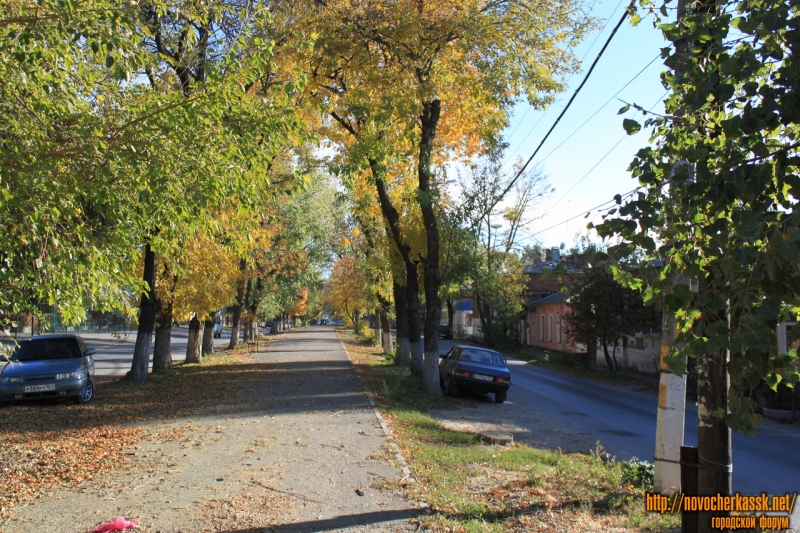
x=631 y=50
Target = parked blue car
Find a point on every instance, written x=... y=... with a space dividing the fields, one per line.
x=49 y=366
x=477 y=369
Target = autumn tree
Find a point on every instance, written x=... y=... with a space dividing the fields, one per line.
x=211 y=61
x=436 y=81
x=346 y=290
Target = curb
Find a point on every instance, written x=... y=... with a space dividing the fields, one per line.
x=398 y=454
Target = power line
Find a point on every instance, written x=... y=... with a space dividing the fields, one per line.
x=600 y=108
x=581 y=214
x=600 y=161
x=572 y=99
x=567 y=83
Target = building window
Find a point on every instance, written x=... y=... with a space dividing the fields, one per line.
x=549 y=328
x=541 y=327
x=559 y=336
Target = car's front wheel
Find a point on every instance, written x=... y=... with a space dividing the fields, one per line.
x=500 y=397
x=88 y=393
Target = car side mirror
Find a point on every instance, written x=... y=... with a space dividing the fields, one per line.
x=90 y=351
x=442 y=355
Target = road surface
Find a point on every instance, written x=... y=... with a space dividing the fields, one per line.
x=623 y=419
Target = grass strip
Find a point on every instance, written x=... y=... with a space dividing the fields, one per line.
x=469 y=487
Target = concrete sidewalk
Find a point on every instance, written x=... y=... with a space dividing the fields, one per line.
x=298 y=448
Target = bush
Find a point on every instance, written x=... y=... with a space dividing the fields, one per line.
x=363 y=331
x=572 y=360
x=638 y=473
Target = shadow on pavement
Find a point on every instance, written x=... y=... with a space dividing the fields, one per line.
x=244 y=389
x=338 y=522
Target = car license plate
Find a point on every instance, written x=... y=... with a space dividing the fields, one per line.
x=40 y=388
x=481 y=376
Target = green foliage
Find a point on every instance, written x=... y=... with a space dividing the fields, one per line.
x=639 y=473
x=95 y=163
x=602 y=310
x=719 y=193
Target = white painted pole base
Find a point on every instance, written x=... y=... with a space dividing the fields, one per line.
x=669 y=432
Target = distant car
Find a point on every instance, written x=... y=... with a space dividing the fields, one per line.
x=49 y=366
x=445 y=331
x=477 y=369
x=217 y=326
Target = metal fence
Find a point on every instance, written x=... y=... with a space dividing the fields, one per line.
x=50 y=321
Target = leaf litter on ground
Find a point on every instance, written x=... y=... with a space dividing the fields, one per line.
x=52 y=445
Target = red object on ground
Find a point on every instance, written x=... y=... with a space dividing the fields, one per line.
x=118 y=524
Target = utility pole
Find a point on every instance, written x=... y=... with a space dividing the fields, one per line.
x=714 y=453
x=671 y=415
x=671 y=388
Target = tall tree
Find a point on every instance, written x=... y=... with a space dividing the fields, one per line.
x=434 y=64
x=718 y=205
x=601 y=310
x=496 y=211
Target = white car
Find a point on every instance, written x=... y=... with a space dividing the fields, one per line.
x=218 y=325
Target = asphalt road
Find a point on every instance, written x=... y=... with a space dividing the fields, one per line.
x=624 y=420
x=114 y=354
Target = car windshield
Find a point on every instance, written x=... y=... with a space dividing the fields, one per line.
x=483 y=356
x=42 y=349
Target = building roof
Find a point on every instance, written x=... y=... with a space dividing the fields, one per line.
x=537 y=268
x=555 y=298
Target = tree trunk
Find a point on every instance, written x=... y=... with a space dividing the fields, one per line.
x=403 y=354
x=386 y=341
x=148 y=307
x=162 y=352
x=609 y=362
x=194 y=346
x=392 y=217
x=450 y=316
x=414 y=344
x=713 y=434
x=208 y=337
x=236 y=319
x=433 y=304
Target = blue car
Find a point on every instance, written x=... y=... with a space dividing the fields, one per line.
x=476 y=369
x=49 y=366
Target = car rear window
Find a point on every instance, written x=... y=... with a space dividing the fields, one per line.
x=41 y=349
x=483 y=356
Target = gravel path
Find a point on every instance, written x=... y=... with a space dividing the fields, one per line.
x=298 y=449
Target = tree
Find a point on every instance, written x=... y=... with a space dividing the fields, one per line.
x=346 y=291
x=498 y=209
x=717 y=206
x=211 y=63
x=601 y=310
x=65 y=134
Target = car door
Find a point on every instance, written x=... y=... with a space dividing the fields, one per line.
x=88 y=357
x=451 y=361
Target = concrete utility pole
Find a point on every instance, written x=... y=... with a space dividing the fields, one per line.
x=671 y=415
x=671 y=388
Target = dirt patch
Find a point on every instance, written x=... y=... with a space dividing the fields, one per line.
x=526 y=425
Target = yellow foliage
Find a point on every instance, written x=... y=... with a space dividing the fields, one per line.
x=346 y=291
x=203 y=278
x=300 y=306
